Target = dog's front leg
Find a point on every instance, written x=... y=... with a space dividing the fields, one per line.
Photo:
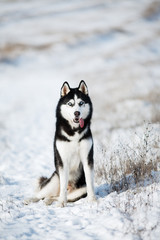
x=87 y=160
x=63 y=174
x=89 y=176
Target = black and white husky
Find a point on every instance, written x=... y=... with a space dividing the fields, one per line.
x=73 y=150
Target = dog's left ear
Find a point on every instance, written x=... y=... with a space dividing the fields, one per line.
x=83 y=87
x=65 y=89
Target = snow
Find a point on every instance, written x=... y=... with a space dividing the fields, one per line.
x=115 y=47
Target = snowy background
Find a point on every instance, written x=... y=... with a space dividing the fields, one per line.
x=115 y=47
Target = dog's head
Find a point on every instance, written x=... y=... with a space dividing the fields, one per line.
x=75 y=105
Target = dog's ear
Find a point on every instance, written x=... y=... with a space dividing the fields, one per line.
x=83 y=87
x=65 y=89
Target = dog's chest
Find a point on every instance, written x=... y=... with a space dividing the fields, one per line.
x=74 y=156
x=70 y=152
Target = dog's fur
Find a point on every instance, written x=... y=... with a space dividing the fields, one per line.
x=73 y=150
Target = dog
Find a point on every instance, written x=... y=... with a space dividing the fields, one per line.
x=73 y=178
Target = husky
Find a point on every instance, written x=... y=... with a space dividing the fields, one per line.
x=73 y=150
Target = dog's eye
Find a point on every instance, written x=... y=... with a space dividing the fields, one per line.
x=81 y=103
x=70 y=104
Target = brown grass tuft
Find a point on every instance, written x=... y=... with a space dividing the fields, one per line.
x=130 y=167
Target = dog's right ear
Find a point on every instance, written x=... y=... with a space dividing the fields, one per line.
x=65 y=89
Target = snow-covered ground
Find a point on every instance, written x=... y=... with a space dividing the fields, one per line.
x=115 y=47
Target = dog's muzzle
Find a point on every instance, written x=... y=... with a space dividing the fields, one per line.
x=77 y=119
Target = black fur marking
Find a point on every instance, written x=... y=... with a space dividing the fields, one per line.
x=90 y=157
x=57 y=159
x=62 y=124
x=62 y=137
x=81 y=180
x=86 y=135
x=43 y=181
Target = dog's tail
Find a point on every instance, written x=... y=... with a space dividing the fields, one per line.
x=47 y=187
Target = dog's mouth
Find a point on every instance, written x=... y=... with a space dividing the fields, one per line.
x=79 y=120
x=76 y=120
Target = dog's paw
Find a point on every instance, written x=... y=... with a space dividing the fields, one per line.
x=61 y=204
x=92 y=199
x=30 y=200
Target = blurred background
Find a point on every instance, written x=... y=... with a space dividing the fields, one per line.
x=113 y=45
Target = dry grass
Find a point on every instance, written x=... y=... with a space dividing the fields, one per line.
x=152 y=10
x=155 y=100
x=130 y=167
x=16 y=49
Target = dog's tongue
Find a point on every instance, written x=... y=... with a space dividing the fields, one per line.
x=81 y=122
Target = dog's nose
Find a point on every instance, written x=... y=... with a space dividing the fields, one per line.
x=77 y=113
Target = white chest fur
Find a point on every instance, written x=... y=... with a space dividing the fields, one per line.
x=73 y=152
